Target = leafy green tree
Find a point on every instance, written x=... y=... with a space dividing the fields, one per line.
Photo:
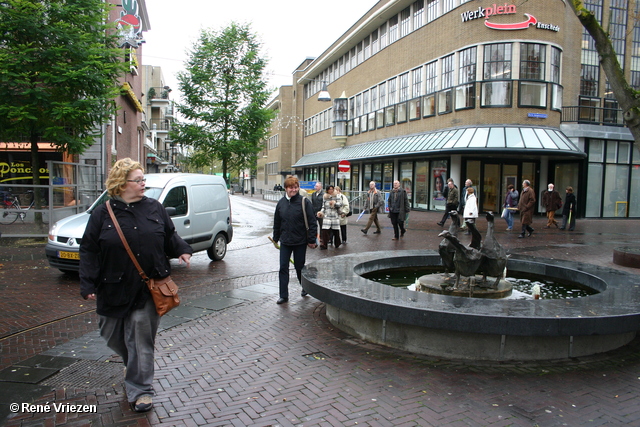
x=59 y=65
x=627 y=97
x=224 y=97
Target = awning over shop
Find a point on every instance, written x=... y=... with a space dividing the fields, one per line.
x=466 y=140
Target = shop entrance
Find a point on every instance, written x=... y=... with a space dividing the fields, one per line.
x=496 y=178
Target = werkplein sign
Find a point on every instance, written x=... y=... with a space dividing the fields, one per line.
x=506 y=9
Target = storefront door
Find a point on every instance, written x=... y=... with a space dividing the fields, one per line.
x=496 y=178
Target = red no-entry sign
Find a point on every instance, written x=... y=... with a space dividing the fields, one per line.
x=344 y=166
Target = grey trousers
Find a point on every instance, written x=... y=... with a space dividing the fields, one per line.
x=133 y=338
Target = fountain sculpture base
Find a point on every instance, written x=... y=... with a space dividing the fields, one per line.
x=474 y=287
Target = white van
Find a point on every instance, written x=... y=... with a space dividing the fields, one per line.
x=198 y=205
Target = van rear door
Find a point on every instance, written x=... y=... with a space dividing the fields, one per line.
x=210 y=203
x=178 y=198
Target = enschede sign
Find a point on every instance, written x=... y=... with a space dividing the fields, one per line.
x=506 y=9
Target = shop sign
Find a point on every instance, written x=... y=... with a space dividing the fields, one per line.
x=12 y=171
x=506 y=9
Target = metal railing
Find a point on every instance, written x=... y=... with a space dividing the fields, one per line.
x=72 y=189
x=356 y=198
x=593 y=115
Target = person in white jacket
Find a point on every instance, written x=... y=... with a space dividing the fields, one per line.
x=344 y=212
x=470 y=209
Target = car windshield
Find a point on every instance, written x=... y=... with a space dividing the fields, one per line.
x=151 y=192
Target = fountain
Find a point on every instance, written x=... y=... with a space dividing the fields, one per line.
x=458 y=327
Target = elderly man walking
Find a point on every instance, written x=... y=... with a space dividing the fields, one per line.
x=551 y=201
x=526 y=205
x=373 y=202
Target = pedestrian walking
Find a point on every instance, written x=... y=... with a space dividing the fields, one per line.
x=569 y=210
x=526 y=205
x=295 y=227
x=453 y=200
x=398 y=209
x=470 y=210
x=330 y=214
x=373 y=202
x=316 y=201
x=128 y=318
x=345 y=213
x=464 y=194
x=551 y=201
x=510 y=205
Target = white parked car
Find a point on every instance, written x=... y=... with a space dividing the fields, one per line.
x=198 y=205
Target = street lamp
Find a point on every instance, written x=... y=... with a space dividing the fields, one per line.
x=324 y=95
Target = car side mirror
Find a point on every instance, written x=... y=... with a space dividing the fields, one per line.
x=171 y=210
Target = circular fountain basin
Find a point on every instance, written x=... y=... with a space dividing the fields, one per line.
x=478 y=329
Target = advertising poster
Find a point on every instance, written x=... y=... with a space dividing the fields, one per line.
x=439 y=181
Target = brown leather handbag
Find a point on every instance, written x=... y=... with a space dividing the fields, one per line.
x=163 y=291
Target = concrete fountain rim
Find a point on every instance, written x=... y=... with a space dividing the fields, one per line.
x=616 y=309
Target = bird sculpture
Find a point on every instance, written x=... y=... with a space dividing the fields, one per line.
x=446 y=248
x=466 y=259
x=494 y=256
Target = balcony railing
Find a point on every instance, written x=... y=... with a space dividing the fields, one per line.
x=161 y=124
x=593 y=115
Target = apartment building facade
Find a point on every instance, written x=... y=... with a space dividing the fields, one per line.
x=426 y=90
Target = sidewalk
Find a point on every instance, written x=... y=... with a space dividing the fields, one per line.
x=230 y=356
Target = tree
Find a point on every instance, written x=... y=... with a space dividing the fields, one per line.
x=224 y=97
x=59 y=65
x=627 y=98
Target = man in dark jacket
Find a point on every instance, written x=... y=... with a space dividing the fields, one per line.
x=398 y=209
x=317 y=201
x=294 y=233
x=551 y=201
x=451 y=193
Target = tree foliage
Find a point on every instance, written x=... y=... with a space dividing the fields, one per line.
x=627 y=98
x=59 y=66
x=224 y=96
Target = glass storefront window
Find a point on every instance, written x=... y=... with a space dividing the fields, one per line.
x=634 y=195
x=422 y=185
x=355 y=177
x=612 y=152
x=616 y=182
x=439 y=176
x=387 y=182
x=594 y=184
x=596 y=150
x=406 y=179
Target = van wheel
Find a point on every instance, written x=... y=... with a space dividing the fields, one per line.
x=218 y=250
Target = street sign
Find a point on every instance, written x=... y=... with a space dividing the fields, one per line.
x=344 y=166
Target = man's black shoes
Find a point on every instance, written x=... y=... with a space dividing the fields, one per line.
x=282 y=300
x=304 y=293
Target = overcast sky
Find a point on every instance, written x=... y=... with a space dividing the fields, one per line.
x=290 y=30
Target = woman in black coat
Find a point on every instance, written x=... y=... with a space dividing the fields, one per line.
x=128 y=318
x=294 y=233
x=569 y=210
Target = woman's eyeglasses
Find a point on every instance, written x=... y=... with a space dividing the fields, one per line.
x=138 y=181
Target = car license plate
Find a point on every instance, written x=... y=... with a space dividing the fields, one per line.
x=69 y=255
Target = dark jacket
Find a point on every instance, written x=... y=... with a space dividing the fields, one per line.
x=527 y=205
x=105 y=266
x=452 y=199
x=399 y=203
x=317 y=201
x=569 y=204
x=373 y=200
x=511 y=200
x=288 y=222
x=551 y=200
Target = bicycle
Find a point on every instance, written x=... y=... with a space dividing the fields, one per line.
x=11 y=209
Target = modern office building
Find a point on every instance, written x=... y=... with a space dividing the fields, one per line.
x=424 y=90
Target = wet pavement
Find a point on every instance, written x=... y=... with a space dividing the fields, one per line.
x=230 y=356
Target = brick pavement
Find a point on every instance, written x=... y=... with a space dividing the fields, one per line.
x=260 y=364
